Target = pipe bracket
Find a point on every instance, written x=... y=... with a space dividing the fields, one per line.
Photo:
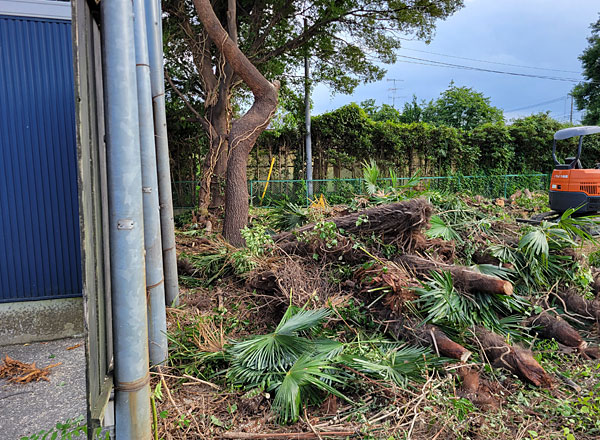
x=125 y=224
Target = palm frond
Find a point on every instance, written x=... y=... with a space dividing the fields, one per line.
x=493 y=270
x=300 y=383
x=276 y=351
x=535 y=243
x=287 y=215
x=301 y=321
x=442 y=303
x=371 y=174
x=398 y=365
x=440 y=229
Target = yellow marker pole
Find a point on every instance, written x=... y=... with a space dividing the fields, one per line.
x=268 y=178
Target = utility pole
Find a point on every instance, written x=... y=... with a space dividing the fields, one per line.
x=307 y=141
x=571 y=117
x=393 y=90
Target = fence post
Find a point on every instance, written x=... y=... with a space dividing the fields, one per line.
x=251 y=193
x=309 y=184
x=505 y=185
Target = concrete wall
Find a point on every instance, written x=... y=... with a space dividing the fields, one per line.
x=45 y=320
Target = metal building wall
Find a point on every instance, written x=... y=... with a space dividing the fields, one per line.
x=39 y=229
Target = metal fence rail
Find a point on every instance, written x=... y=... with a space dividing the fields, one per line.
x=337 y=191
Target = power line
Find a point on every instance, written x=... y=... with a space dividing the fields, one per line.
x=480 y=69
x=492 y=62
x=552 y=101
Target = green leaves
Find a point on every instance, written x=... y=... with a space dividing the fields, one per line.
x=371 y=175
x=295 y=367
x=463 y=108
x=535 y=243
x=287 y=215
x=398 y=364
x=442 y=303
x=276 y=351
x=300 y=383
x=439 y=229
x=303 y=320
x=587 y=93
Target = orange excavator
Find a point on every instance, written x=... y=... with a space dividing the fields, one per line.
x=571 y=185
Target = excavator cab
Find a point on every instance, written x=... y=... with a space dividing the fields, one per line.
x=573 y=186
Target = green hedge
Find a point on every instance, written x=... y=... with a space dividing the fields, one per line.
x=348 y=136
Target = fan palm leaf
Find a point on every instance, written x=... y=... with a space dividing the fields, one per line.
x=302 y=382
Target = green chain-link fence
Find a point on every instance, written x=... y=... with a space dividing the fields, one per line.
x=336 y=191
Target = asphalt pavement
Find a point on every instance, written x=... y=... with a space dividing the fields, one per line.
x=27 y=409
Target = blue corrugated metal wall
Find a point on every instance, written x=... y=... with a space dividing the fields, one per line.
x=39 y=221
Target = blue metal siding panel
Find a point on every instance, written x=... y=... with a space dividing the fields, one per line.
x=39 y=223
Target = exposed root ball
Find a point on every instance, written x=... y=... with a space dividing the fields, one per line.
x=394 y=223
x=291 y=276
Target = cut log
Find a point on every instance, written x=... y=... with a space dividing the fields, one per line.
x=463 y=277
x=393 y=223
x=515 y=359
x=443 y=344
x=550 y=326
x=430 y=336
x=574 y=303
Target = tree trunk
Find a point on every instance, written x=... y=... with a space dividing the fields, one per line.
x=463 y=277
x=576 y=304
x=549 y=326
x=245 y=130
x=243 y=135
x=394 y=223
x=435 y=338
x=515 y=359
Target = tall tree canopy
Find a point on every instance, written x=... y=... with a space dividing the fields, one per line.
x=462 y=107
x=213 y=47
x=587 y=94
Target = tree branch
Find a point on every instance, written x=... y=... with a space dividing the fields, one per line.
x=199 y=117
x=259 y=85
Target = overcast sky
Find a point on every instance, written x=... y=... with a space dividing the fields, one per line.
x=548 y=34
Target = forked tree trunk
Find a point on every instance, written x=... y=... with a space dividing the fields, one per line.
x=245 y=130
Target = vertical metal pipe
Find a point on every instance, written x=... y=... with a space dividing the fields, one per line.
x=155 y=52
x=126 y=224
x=308 y=140
x=155 y=287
